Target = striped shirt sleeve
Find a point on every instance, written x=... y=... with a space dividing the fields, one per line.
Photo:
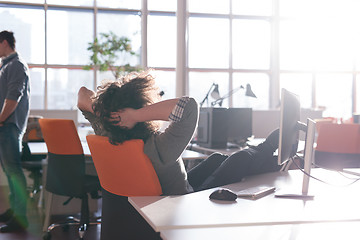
x=178 y=110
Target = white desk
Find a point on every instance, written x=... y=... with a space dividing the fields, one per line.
x=195 y=210
x=328 y=231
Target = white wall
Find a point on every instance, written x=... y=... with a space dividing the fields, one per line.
x=59 y=114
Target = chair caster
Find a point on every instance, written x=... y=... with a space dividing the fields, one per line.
x=82 y=230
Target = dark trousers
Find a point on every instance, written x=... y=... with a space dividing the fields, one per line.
x=219 y=169
x=10 y=160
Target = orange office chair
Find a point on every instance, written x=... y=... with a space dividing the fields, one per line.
x=338 y=145
x=124 y=170
x=66 y=170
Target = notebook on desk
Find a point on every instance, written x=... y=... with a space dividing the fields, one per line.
x=255 y=192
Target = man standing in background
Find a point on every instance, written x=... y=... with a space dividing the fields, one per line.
x=14 y=106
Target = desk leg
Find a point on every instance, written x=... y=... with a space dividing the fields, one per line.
x=40 y=202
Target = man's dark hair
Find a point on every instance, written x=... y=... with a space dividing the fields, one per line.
x=9 y=37
x=135 y=91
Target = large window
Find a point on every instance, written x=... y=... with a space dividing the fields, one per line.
x=230 y=45
x=67 y=39
x=319 y=53
x=310 y=47
x=53 y=38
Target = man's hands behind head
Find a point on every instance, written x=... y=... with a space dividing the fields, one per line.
x=124 y=118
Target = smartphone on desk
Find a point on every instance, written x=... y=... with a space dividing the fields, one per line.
x=255 y=192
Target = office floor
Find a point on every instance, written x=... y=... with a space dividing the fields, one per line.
x=34 y=232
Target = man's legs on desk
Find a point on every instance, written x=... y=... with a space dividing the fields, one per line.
x=220 y=169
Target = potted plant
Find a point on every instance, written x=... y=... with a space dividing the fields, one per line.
x=107 y=50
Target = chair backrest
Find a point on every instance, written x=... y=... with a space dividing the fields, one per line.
x=339 y=138
x=33 y=130
x=65 y=160
x=124 y=169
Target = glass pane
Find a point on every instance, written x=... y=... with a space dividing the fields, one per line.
x=104 y=76
x=319 y=8
x=69 y=33
x=319 y=37
x=72 y=2
x=259 y=83
x=334 y=42
x=28 y=26
x=303 y=46
x=357 y=48
x=209 y=6
x=28 y=1
x=300 y=84
x=166 y=81
x=293 y=8
x=252 y=7
x=37 y=88
x=161 y=47
x=251 y=44
x=334 y=91
x=162 y=5
x=201 y=82
x=296 y=47
x=129 y=4
x=123 y=25
x=63 y=86
x=208 y=43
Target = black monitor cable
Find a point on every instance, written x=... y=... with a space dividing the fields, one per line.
x=318 y=179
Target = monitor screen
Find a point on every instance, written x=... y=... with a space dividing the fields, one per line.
x=239 y=124
x=289 y=129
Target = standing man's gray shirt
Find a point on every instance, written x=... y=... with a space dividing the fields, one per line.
x=14 y=84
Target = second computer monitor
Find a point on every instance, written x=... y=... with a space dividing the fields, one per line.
x=218 y=126
x=240 y=125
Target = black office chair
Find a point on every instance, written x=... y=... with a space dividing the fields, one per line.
x=30 y=162
x=66 y=170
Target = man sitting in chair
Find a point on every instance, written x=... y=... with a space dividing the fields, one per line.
x=129 y=107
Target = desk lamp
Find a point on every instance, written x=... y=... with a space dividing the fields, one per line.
x=248 y=93
x=214 y=89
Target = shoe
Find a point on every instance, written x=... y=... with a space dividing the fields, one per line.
x=270 y=144
x=15 y=224
x=7 y=215
x=273 y=140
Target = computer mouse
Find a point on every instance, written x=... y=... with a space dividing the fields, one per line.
x=223 y=194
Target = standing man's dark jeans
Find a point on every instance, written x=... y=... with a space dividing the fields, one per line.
x=219 y=169
x=10 y=160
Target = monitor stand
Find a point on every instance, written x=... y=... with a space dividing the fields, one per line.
x=308 y=160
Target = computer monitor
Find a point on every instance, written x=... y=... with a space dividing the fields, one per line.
x=289 y=139
x=289 y=126
x=239 y=125
x=212 y=128
x=219 y=126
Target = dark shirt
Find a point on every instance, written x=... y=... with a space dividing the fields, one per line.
x=15 y=85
